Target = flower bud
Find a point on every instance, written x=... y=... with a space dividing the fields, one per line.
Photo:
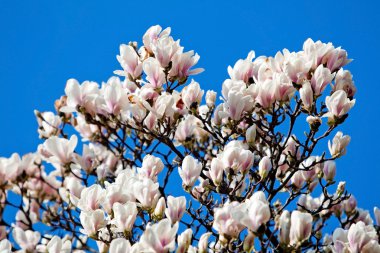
x=190 y=171
x=210 y=98
x=265 y=165
x=307 y=96
x=329 y=169
x=341 y=188
x=160 y=208
x=250 y=135
x=300 y=228
x=176 y=208
x=350 y=204
x=338 y=145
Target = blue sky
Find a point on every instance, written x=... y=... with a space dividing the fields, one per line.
x=44 y=43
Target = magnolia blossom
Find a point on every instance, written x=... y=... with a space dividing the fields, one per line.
x=192 y=94
x=57 y=245
x=146 y=192
x=182 y=63
x=27 y=240
x=129 y=61
x=300 y=228
x=120 y=245
x=184 y=241
x=124 y=216
x=92 y=221
x=210 y=98
x=321 y=78
x=338 y=145
x=254 y=212
x=190 y=171
x=265 y=165
x=48 y=123
x=151 y=167
x=243 y=68
x=224 y=223
x=343 y=81
x=80 y=95
x=176 y=208
x=154 y=72
x=307 y=96
x=59 y=150
x=160 y=237
x=338 y=105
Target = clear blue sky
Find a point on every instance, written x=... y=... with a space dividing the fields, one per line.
x=44 y=43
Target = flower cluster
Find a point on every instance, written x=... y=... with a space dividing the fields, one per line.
x=148 y=161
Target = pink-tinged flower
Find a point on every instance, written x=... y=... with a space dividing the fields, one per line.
x=243 y=69
x=236 y=157
x=91 y=198
x=265 y=165
x=216 y=170
x=73 y=185
x=359 y=235
x=56 y=245
x=338 y=145
x=10 y=168
x=88 y=159
x=285 y=89
x=192 y=95
x=150 y=121
x=235 y=105
x=114 y=99
x=159 y=237
x=164 y=106
x=160 y=208
x=151 y=167
x=153 y=35
x=92 y=221
x=146 y=192
x=59 y=150
x=254 y=212
x=82 y=95
x=176 y=208
x=115 y=193
x=343 y=81
x=267 y=92
x=129 y=61
x=297 y=68
x=86 y=130
x=284 y=226
x=48 y=124
x=203 y=242
x=164 y=49
x=250 y=135
x=329 y=170
x=189 y=171
x=124 y=216
x=187 y=129
x=120 y=245
x=210 y=98
x=350 y=204
x=338 y=105
x=300 y=228
x=376 y=212
x=184 y=241
x=321 y=78
x=224 y=223
x=27 y=240
x=315 y=51
x=182 y=63
x=336 y=59
x=154 y=73
x=307 y=95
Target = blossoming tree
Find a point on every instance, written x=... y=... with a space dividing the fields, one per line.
x=163 y=166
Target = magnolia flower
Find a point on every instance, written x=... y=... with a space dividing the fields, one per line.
x=114 y=99
x=182 y=62
x=254 y=212
x=27 y=240
x=300 y=228
x=307 y=96
x=343 y=81
x=336 y=59
x=236 y=104
x=284 y=225
x=203 y=242
x=154 y=73
x=164 y=49
x=216 y=171
x=236 y=157
x=160 y=208
x=91 y=198
x=59 y=150
x=192 y=95
x=297 y=68
x=321 y=78
x=338 y=105
x=190 y=171
x=350 y=204
x=80 y=95
x=151 y=167
x=210 y=98
x=10 y=168
x=159 y=237
x=176 y=208
x=48 y=123
x=265 y=165
x=92 y=221
x=329 y=169
x=120 y=245
x=146 y=192
x=124 y=216
x=5 y=246
x=57 y=245
x=243 y=69
x=224 y=223
x=184 y=241
x=338 y=145
x=129 y=61
x=153 y=35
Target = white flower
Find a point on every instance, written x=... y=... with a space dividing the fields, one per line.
x=189 y=171
x=176 y=208
x=160 y=237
